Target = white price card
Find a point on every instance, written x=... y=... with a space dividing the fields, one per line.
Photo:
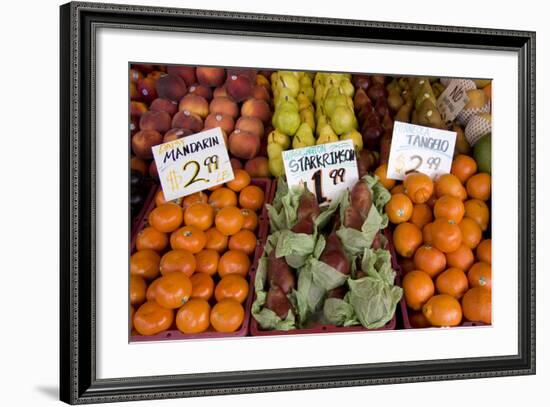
x=327 y=169
x=419 y=148
x=452 y=100
x=193 y=163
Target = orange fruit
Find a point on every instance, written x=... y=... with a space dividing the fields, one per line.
x=471 y=232
x=477 y=210
x=479 y=275
x=150 y=293
x=193 y=199
x=450 y=208
x=131 y=322
x=137 y=289
x=421 y=215
x=242 y=179
x=202 y=286
x=427 y=235
x=419 y=187
x=463 y=167
x=430 y=260
x=398 y=189
x=399 y=208
x=406 y=239
x=476 y=305
x=207 y=261
x=418 y=320
x=462 y=258
x=166 y=218
x=145 y=263
x=431 y=202
x=479 y=186
x=232 y=286
x=193 y=317
x=227 y=315
x=251 y=197
x=222 y=198
x=453 y=282
x=443 y=310
x=243 y=240
x=483 y=251
x=449 y=184
x=173 y=290
x=200 y=215
x=446 y=235
x=418 y=288
x=215 y=240
x=189 y=238
x=250 y=219
x=229 y=220
x=151 y=318
x=382 y=173
x=159 y=198
x=178 y=260
x=150 y=238
x=233 y=262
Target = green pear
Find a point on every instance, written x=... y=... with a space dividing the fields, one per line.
x=425 y=92
x=276 y=166
x=286 y=120
x=355 y=137
x=274 y=79
x=305 y=82
x=303 y=101
x=290 y=81
x=307 y=116
x=322 y=121
x=283 y=97
x=319 y=79
x=347 y=87
x=303 y=137
x=309 y=92
x=327 y=135
x=277 y=137
x=274 y=150
x=343 y=120
x=332 y=102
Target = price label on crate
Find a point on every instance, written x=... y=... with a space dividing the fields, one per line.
x=419 y=148
x=193 y=163
x=452 y=100
x=327 y=169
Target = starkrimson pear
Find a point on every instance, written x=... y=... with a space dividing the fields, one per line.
x=303 y=137
x=342 y=120
x=355 y=137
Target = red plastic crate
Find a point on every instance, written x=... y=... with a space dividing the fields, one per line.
x=256 y=330
x=139 y=217
x=174 y=333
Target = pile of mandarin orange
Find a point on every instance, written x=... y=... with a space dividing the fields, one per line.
x=441 y=233
x=191 y=262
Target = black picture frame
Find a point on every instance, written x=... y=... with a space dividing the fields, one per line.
x=78 y=382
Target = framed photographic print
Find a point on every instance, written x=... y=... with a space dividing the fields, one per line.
x=257 y=203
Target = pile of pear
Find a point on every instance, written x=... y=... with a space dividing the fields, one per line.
x=334 y=109
x=293 y=118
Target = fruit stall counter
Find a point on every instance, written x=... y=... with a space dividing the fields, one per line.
x=257 y=256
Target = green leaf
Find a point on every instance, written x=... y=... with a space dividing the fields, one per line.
x=295 y=247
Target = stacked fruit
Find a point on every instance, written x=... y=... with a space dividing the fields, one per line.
x=334 y=109
x=192 y=260
x=172 y=102
x=293 y=116
x=442 y=236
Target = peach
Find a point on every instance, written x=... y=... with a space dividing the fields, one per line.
x=210 y=76
x=224 y=106
x=257 y=108
x=171 y=87
x=250 y=124
x=248 y=72
x=243 y=144
x=236 y=164
x=257 y=167
x=187 y=73
x=142 y=142
x=156 y=74
x=224 y=121
x=221 y=92
x=134 y=95
x=144 y=68
x=261 y=92
x=184 y=119
x=195 y=104
x=146 y=90
x=164 y=105
x=200 y=90
x=174 y=134
x=137 y=108
x=239 y=87
x=159 y=121
x=134 y=125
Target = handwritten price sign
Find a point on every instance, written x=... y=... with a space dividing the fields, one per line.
x=419 y=148
x=326 y=169
x=192 y=163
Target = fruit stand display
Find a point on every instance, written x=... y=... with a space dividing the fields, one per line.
x=258 y=256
